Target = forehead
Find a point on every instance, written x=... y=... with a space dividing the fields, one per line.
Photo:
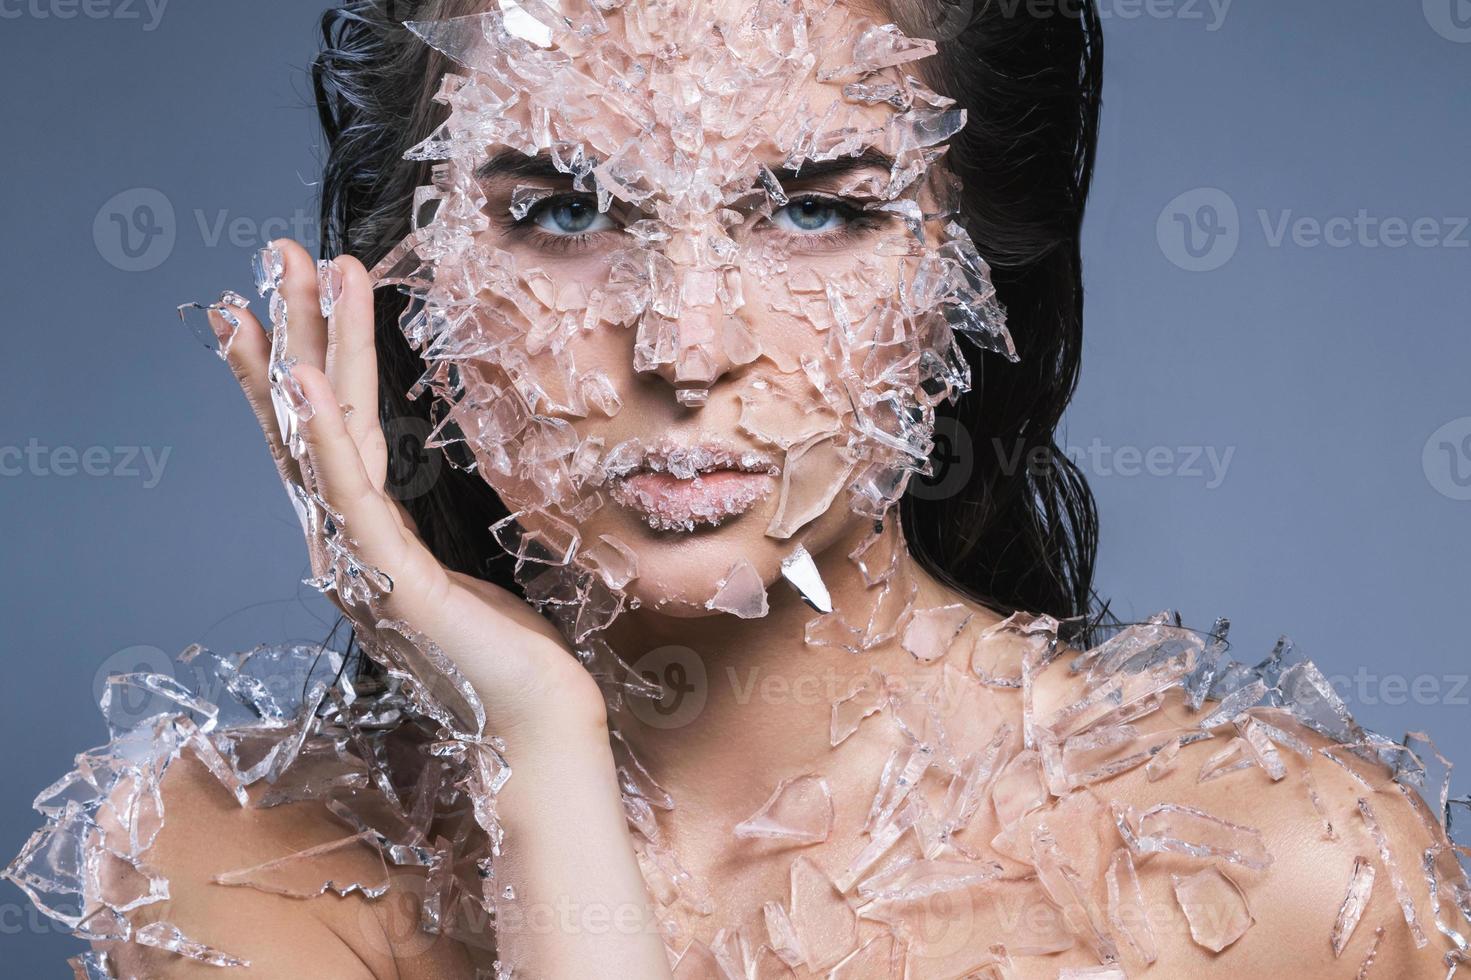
x=710 y=89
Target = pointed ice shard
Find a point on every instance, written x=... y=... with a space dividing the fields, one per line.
x=799 y=569
x=799 y=810
x=338 y=866
x=1360 y=886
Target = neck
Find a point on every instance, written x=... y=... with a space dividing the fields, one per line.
x=749 y=701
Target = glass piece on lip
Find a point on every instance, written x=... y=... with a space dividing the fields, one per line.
x=267 y=266
x=1396 y=878
x=1360 y=886
x=877 y=959
x=1127 y=913
x=908 y=880
x=1184 y=829
x=799 y=810
x=339 y=866
x=1215 y=907
x=932 y=632
x=740 y=593
x=866 y=697
x=800 y=570
x=1091 y=973
x=825 y=925
x=615 y=561
x=166 y=936
x=811 y=476
x=783 y=935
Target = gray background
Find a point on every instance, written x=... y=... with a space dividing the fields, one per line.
x=1327 y=371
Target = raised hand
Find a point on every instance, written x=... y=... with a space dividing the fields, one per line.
x=512 y=657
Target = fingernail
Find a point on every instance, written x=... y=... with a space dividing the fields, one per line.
x=292 y=392
x=268 y=266
x=329 y=286
x=214 y=326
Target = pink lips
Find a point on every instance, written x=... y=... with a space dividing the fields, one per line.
x=678 y=488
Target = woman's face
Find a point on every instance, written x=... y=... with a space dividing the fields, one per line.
x=690 y=273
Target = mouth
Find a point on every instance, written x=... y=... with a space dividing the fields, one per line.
x=678 y=487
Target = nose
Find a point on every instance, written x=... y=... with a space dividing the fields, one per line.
x=700 y=344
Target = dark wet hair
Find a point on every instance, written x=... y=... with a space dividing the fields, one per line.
x=1007 y=518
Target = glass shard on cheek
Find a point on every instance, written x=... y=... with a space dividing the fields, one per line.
x=812 y=475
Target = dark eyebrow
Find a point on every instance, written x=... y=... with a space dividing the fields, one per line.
x=509 y=164
x=514 y=163
x=815 y=169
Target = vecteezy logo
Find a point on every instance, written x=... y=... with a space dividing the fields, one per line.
x=678 y=674
x=1200 y=230
x=951 y=462
x=135 y=230
x=1447 y=459
x=1451 y=19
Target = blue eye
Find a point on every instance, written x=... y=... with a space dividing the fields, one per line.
x=811 y=215
x=571 y=215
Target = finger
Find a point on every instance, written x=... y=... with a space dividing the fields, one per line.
x=378 y=536
x=306 y=331
x=249 y=360
x=352 y=361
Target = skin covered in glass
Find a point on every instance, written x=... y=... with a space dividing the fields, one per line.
x=905 y=786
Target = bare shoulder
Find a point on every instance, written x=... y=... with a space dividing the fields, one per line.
x=207 y=834
x=1289 y=830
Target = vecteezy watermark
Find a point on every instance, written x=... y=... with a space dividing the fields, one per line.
x=955 y=456
x=137 y=230
x=1451 y=19
x=1446 y=459
x=1201 y=230
x=948 y=19
x=679 y=674
x=149 y=13
x=122 y=462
